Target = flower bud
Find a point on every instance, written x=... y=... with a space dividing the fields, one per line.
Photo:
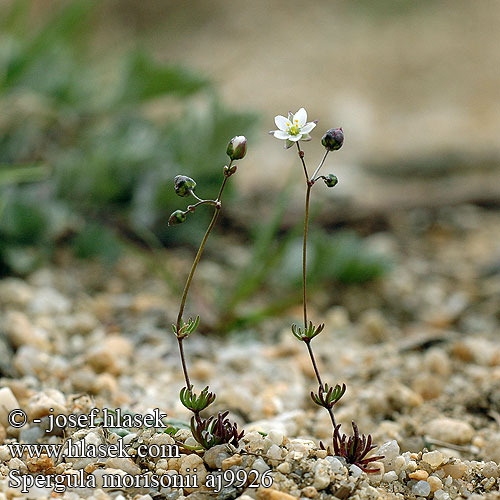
x=184 y=185
x=177 y=217
x=228 y=172
x=331 y=180
x=237 y=147
x=333 y=139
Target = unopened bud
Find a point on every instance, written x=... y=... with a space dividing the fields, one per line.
x=237 y=147
x=331 y=180
x=177 y=217
x=333 y=139
x=228 y=172
x=184 y=185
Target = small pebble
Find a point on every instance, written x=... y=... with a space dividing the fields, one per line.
x=419 y=475
x=229 y=462
x=355 y=471
x=322 y=470
x=490 y=469
x=433 y=458
x=435 y=483
x=390 y=450
x=450 y=430
x=309 y=491
x=272 y=494
x=441 y=495
x=124 y=464
x=260 y=466
x=274 y=452
x=455 y=471
x=215 y=455
x=284 y=468
x=8 y=402
x=421 y=488
x=399 y=463
x=389 y=477
x=276 y=436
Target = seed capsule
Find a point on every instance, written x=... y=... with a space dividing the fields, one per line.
x=183 y=185
x=331 y=180
x=177 y=217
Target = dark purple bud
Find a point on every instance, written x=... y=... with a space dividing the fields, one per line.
x=333 y=139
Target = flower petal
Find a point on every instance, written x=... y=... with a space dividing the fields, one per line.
x=281 y=122
x=294 y=138
x=307 y=128
x=280 y=134
x=300 y=117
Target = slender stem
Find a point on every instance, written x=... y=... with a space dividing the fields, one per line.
x=306 y=225
x=191 y=274
x=202 y=202
x=301 y=156
x=194 y=195
x=318 y=377
x=310 y=184
x=198 y=254
x=183 y=362
x=320 y=165
x=304 y=253
x=315 y=366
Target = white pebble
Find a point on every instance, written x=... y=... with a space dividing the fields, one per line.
x=17 y=464
x=441 y=495
x=421 y=488
x=433 y=458
x=336 y=465
x=4 y=454
x=390 y=450
x=355 y=470
x=399 y=463
x=322 y=478
x=260 y=466
x=411 y=466
x=8 y=402
x=284 y=468
x=125 y=464
x=450 y=430
x=389 y=477
x=274 y=452
x=276 y=436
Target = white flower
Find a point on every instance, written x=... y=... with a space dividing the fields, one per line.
x=294 y=128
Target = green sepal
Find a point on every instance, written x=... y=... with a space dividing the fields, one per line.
x=196 y=403
x=309 y=333
x=328 y=396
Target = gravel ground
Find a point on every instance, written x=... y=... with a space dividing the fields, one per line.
x=418 y=351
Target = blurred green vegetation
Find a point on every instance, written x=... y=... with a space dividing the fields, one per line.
x=89 y=120
x=273 y=271
x=88 y=152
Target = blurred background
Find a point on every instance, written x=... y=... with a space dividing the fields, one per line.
x=103 y=103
